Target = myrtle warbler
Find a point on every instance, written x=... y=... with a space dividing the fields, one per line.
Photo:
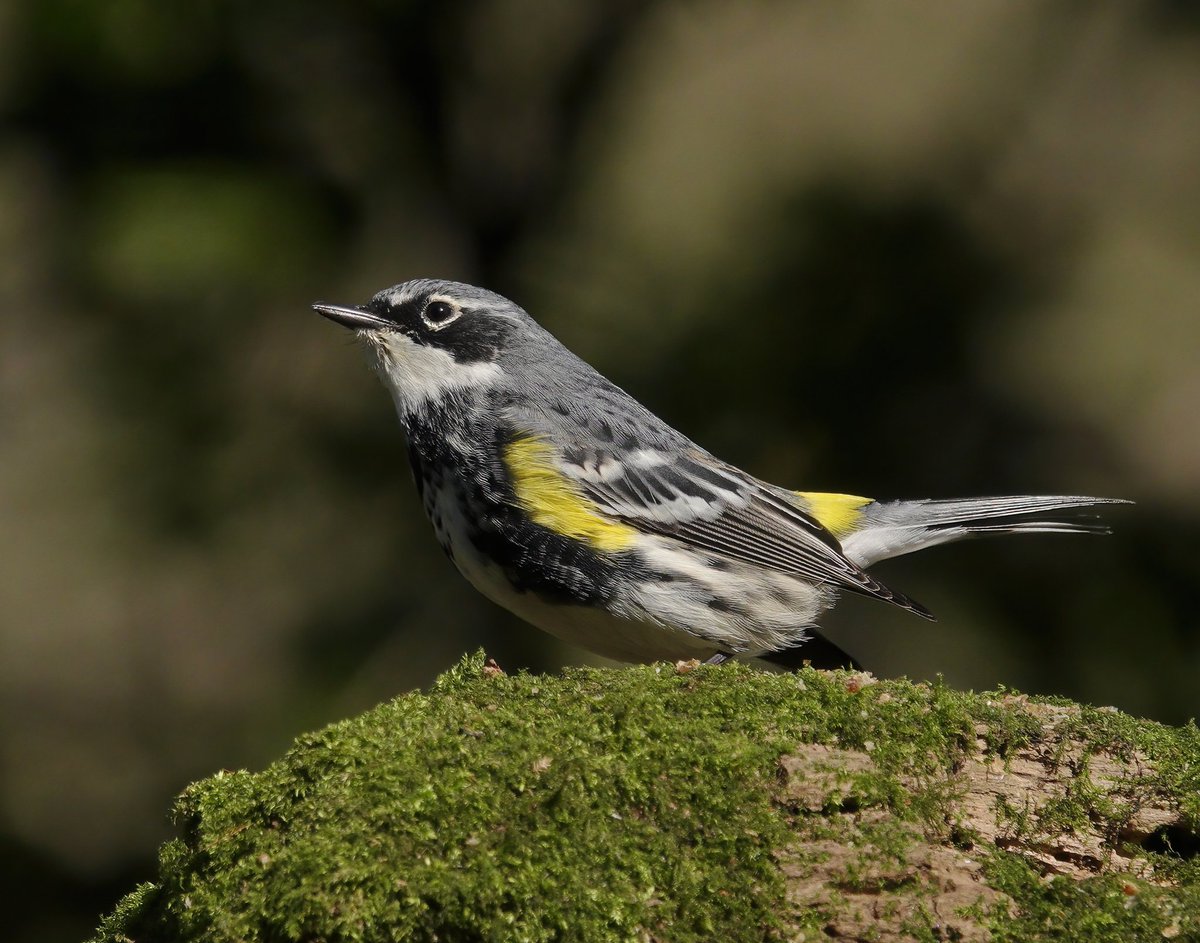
x=566 y=501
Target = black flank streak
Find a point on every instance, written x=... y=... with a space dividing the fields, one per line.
x=535 y=559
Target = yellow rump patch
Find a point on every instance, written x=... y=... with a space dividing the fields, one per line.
x=838 y=513
x=555 y=502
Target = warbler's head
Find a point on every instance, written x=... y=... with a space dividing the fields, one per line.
x=429 y=338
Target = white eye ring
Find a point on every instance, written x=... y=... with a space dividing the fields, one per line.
x=444 y=311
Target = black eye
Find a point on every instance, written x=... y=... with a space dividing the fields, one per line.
x=438 y=313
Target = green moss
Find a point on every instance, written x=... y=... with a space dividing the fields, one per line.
x=1174 y=750
x=1008 y=724
x=626 y=804
x=1114 y=907
x=1106 y=909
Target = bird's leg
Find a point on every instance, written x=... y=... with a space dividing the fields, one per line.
x=719 y=658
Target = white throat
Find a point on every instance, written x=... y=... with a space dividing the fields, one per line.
x=417 y=375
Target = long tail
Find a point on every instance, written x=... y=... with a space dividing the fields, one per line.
x=898 y=527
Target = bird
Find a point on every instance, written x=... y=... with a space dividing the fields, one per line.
x=566 y=501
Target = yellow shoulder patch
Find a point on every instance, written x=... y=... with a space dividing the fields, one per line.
x=837 y=513
x=555 y=502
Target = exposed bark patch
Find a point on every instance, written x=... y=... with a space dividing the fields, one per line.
x=816 y=775
x=934 y=886
x=868 y=889
x=1072 y=807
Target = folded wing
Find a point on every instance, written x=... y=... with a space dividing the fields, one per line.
x=694 y=498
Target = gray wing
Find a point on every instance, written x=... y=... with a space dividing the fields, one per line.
x=693 y=497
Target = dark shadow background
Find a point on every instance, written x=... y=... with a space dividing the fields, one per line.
x=858 y=247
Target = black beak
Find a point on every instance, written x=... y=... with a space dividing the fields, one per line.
x=356 y=317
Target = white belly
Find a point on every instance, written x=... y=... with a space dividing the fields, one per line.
x=601 y=631
x=657 y=620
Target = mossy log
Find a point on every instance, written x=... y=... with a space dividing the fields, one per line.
x=685 y=803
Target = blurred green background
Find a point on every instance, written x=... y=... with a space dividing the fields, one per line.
x=901 y=249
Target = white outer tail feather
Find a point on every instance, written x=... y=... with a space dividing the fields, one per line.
x=899 y=527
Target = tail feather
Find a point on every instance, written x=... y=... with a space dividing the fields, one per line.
x=899 y=527
x=1039 y=527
